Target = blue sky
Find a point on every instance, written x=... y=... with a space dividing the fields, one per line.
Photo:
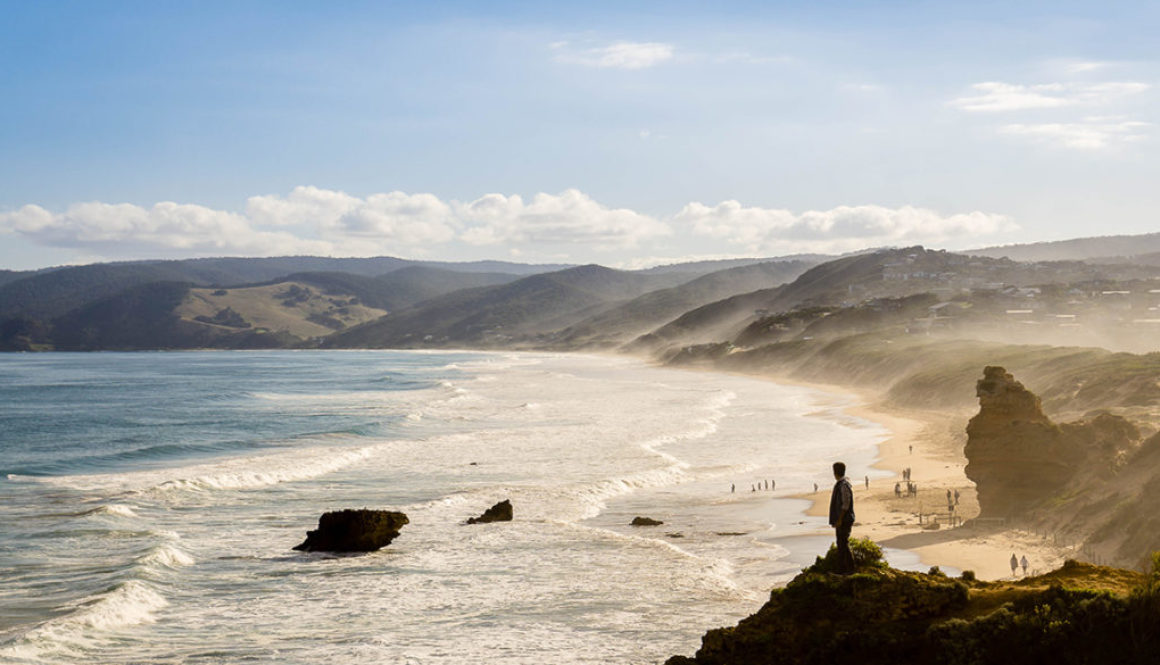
x=626 y=134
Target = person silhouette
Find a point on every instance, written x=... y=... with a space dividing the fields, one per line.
x=842 y=517
x=1014 y=564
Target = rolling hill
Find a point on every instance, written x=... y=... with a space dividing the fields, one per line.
x=1078 y=249
x=624 y=322
x=504 y=314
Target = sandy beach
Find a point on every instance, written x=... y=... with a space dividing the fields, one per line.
x=930 y=444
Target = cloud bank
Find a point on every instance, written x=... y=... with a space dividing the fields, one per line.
x=845 y=228
x=570 y=226
x=1061 y=102
x=997 y=97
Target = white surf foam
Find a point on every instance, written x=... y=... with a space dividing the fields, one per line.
x=168 y=556
x=118 y=509
x=242 y=473
x=66 y=638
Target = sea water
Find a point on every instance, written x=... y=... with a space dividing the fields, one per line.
x=149 y=503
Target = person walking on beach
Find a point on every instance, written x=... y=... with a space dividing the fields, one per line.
x=1023 y=562
x=732 y=487
x=897 y=490
x=867 y=482
x=842 y=517
x=1014 y=564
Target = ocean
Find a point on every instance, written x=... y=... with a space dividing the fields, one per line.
x=149 y=503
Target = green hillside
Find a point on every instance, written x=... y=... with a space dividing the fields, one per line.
x=624 y=322
x=506 y=314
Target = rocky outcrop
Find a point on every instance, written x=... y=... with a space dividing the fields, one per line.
x=500 y=512
x=645 y=521
x=354 y=531
x=881 y=616
x=1018 y=457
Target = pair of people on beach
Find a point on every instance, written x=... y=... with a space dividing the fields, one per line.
x=1016 y=562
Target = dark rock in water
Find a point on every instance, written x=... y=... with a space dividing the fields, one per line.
x=500 y=512
x=1017 y=456
x=354 y=531
x=645 y=521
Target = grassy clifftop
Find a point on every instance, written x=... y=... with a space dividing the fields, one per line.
x=1078 y=614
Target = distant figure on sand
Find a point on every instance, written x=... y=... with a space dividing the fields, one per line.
x=732 y=488
x=867 y=482
x=815 y=487
x=1023 y=562
x=842 y=517
x=773 y=484
x=911 y=449
x=1014 y=564
x=956 y=497
x=897 y=490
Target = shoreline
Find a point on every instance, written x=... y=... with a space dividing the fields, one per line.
x=925 y=442
x=937 y=464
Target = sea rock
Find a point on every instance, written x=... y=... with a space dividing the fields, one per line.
x=645 y=521
x=354 y=531
x=500 y=512
x=1017 y=456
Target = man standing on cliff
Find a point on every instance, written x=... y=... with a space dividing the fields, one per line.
x=842 y=517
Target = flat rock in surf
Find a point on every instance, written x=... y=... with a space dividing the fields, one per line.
x=500 y=512
x=354 y=531
x=645 y=521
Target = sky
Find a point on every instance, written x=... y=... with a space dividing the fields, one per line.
x=628 y=134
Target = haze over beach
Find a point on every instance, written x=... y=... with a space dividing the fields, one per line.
x=547 y=323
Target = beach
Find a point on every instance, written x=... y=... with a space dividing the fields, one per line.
x=192 y=475
x=930 y=444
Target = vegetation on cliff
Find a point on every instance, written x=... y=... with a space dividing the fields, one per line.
x=1078 y=614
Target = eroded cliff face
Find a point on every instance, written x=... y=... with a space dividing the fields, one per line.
x=1018 y=457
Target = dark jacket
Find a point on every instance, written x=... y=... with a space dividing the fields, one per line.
x=842 y=503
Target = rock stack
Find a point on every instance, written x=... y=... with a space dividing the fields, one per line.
x=353 y=531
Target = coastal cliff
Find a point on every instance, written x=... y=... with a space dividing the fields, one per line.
x=1019 y=457
x=1080 y=613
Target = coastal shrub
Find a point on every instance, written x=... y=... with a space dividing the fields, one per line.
x=936 y=572
x=968 y=576
x=867 y=556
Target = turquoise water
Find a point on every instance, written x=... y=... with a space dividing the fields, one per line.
x=149 y=502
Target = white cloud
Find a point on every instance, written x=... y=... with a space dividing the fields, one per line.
x=568 y=226
x=996 y=96
x=304 y=205
x=1083 y=67
x=126 y=230
x=570 y=217
x=619 y=55
x=311 y=220
x=845 y=228
x=1089 y=134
